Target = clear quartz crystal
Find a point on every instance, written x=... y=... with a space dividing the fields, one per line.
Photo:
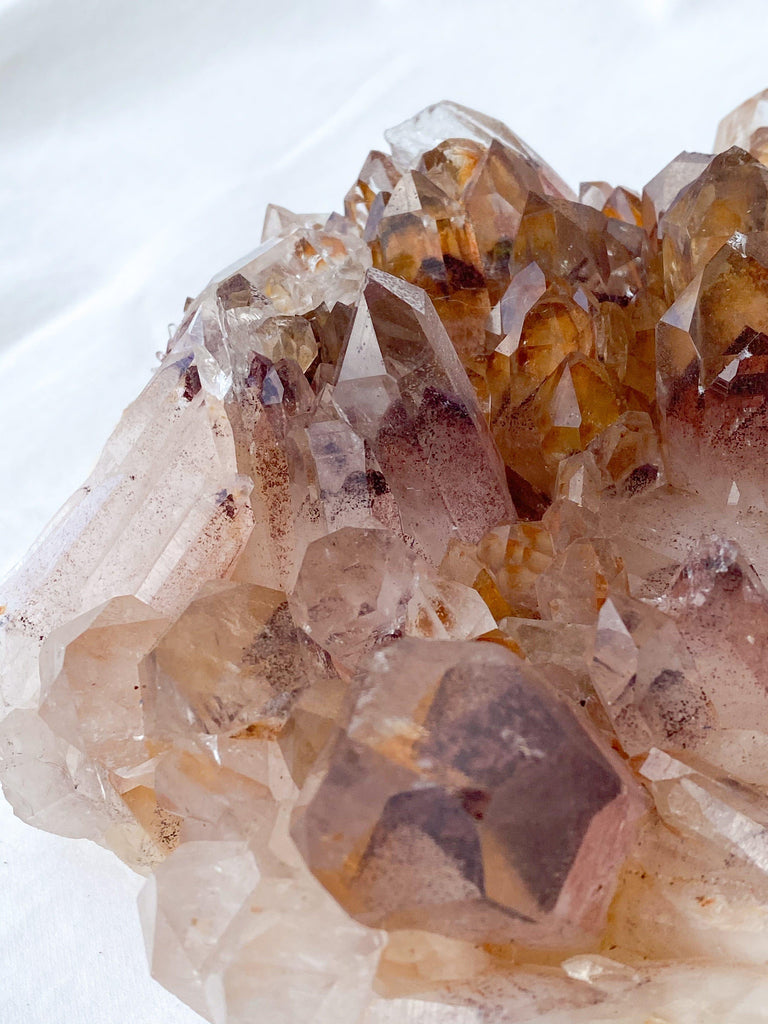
x=409 y=634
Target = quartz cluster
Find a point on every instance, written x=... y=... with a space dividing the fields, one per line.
x=411 y=633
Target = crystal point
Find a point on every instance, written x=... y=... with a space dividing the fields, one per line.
x=420 y=820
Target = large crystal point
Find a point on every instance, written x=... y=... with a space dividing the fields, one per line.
x=402 y=387
x=466 y=799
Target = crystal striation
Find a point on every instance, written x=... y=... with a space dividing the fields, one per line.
x=410 y=633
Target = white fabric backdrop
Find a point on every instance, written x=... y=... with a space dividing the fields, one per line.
x=140 y=141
